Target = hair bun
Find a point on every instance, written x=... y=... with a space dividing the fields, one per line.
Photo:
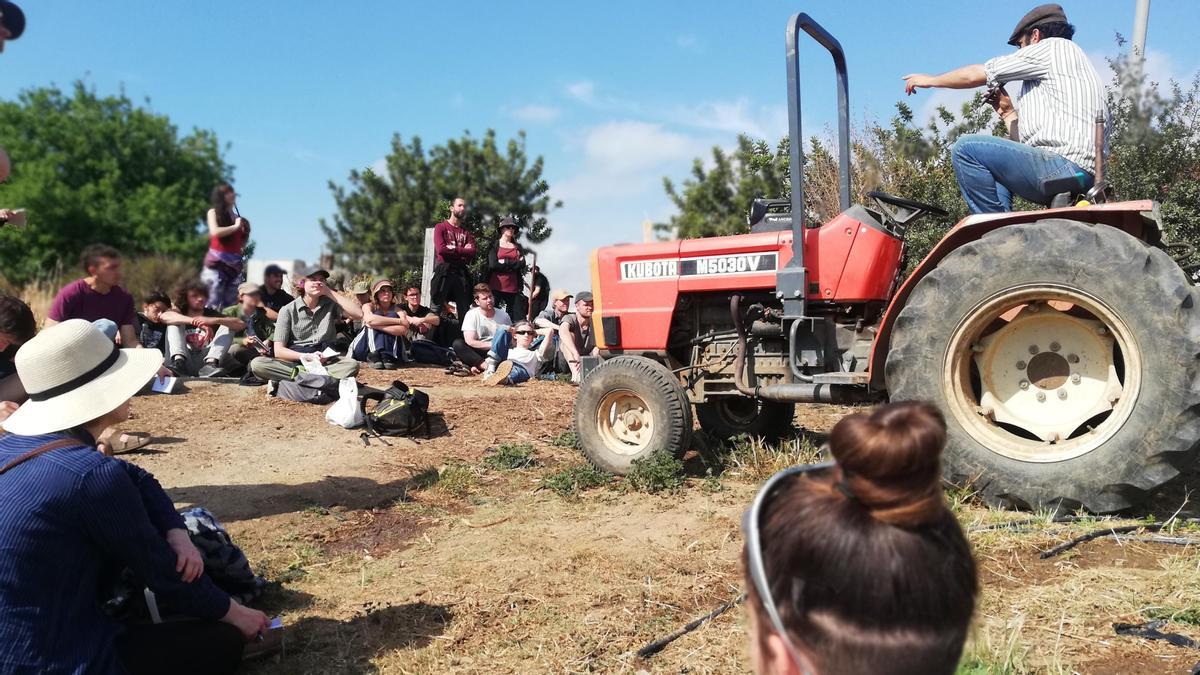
x=891 y=461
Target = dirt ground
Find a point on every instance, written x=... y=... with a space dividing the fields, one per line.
x=412 y=557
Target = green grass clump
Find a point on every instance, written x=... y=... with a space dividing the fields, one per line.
x=567 y=439
x=510 y=457
x=458 y=479
x=574 y=479
x=1189 y=616
x=755 y=459
x=656 y=473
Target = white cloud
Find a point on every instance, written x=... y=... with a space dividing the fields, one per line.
x=535 y=114
x=740 y=116
x=688 y=42
x=379 y=166
x=625 y=158
x=633 y=146
x=563 y=259
x=584 y=91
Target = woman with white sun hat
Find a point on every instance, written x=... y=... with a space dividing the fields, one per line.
x=69 y=512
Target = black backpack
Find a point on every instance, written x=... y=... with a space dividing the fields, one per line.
x=399 y=411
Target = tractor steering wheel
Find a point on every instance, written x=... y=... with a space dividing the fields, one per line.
x=907 y=203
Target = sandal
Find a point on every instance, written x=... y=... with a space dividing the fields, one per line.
x=114 y=441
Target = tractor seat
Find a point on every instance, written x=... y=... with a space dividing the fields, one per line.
x=1066 y=190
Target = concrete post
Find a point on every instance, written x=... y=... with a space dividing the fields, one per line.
x=427 y=271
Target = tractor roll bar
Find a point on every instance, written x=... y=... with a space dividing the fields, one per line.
x=792 y=279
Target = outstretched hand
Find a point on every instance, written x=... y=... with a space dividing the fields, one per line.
x=915 y=81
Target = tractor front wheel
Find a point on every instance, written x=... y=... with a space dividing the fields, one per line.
x=1064 y=356
x=727 y=417
x=628 y=408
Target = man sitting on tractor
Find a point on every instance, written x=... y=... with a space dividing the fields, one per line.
x=1060 y=99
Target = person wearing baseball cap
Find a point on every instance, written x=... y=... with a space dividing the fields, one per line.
x=309 y=326
x=576 y=337
x=379 y=343
x=552 y=317
x=274 y=297
x=254 y=339
x=1051 y=119
x=71 y=512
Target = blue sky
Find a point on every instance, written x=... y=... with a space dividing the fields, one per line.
x=614 y=95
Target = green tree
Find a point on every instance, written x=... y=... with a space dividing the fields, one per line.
x=381 y=220
x=100 y=169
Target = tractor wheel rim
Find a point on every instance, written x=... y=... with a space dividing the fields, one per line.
x=1042 y=373
x=625 y=422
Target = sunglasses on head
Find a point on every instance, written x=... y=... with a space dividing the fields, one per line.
x=752 y=530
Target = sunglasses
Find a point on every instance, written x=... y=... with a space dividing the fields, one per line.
x=752 y=530
x=524 y=332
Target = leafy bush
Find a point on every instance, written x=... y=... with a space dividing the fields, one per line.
x=574 y=479
x=660 y=471
x=509 y=457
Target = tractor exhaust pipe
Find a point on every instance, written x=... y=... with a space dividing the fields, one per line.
x=803 y=391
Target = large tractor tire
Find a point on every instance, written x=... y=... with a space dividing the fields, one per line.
x=628 y=408
x=1064 y=356
x=727 y=417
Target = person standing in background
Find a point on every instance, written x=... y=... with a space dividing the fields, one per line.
x=506 y=270
x=454 y=247
x=228 y=233
x=539 y=290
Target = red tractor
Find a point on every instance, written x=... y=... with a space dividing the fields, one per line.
x=1060 y=344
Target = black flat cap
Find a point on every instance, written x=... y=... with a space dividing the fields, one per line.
x=1038 y=15
x=13 y=19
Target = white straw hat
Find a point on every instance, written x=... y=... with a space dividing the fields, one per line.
x=74 y=374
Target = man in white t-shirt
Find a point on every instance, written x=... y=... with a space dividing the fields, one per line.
x=479 y=326
x=513 y=359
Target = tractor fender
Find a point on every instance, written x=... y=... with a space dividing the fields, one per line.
x=1140 y=219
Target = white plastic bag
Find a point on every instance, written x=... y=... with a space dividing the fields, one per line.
x=345 y=412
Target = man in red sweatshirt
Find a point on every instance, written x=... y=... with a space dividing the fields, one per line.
x=454 y=246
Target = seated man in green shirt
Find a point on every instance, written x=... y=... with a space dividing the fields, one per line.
x=308 y=325
x=255 y=339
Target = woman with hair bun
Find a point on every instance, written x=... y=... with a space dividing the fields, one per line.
x=857 y=565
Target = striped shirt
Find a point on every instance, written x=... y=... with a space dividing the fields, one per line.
x=68 y=516
x=1061 y=96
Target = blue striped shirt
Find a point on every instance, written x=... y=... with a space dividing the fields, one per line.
x=64 y=516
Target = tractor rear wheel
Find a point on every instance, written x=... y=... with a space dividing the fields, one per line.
x=628 y=408
x=727 y=417
x=1064 y=356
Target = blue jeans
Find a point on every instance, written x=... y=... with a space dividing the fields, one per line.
x=501 y=343
x=990 y=170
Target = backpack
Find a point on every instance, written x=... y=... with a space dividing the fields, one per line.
x=398 y=410
x=308 y=388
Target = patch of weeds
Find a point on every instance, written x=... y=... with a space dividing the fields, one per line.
x=425 y=478
x=510 y=457
x=656 y=473
x=1190 y=616
x=711 y=484
x=755 y=459
x=572 y=480
x=312 y=508
x=458 y=479
x=567 y=439
x=291 y=575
